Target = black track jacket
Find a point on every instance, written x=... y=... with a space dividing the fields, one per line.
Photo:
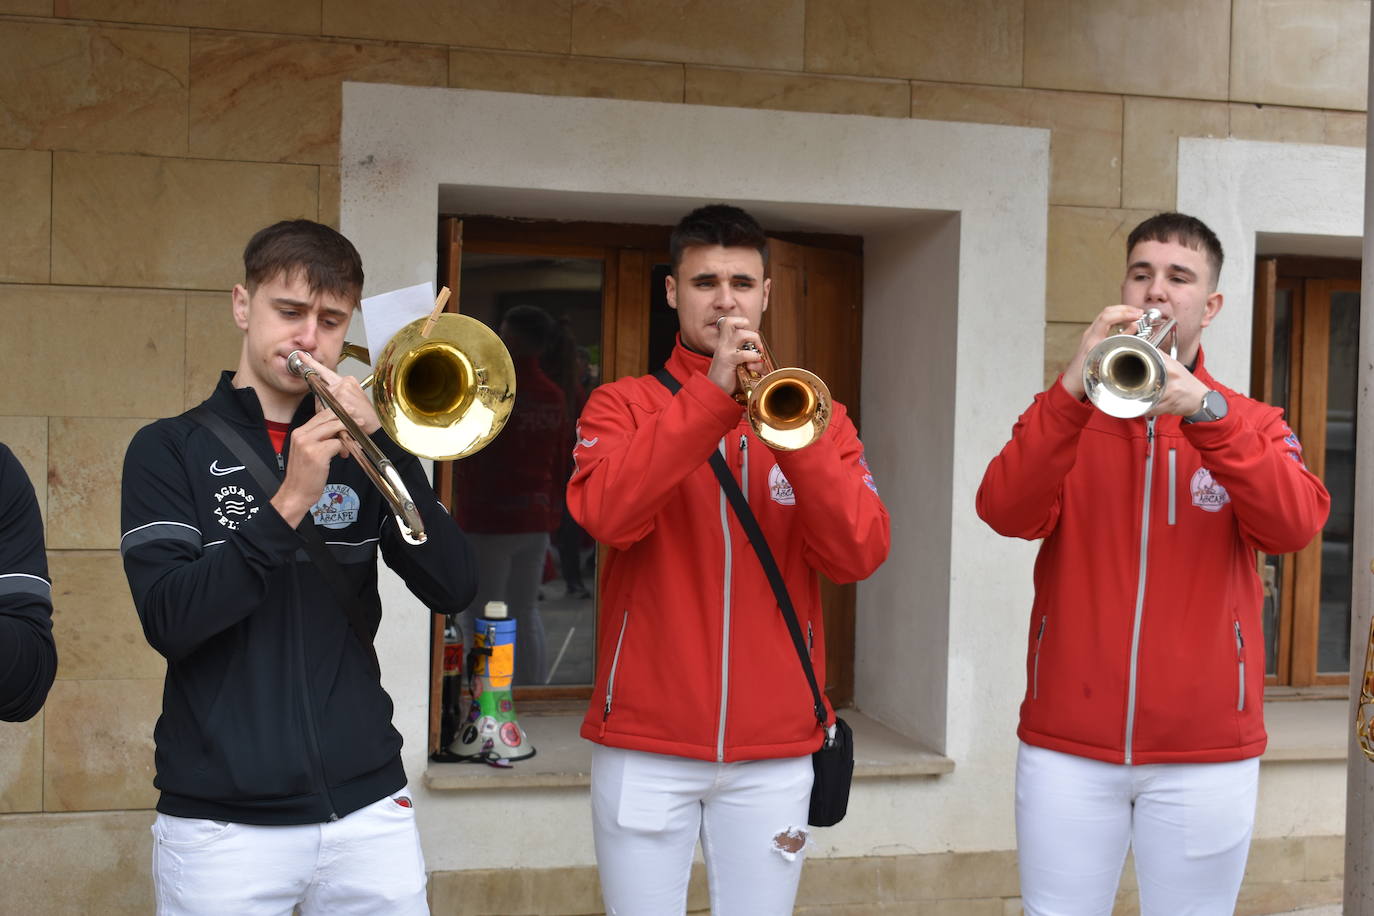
x=271 y=711
x=28 y=655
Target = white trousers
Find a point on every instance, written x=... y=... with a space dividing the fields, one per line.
x=1188 y=823
x=365 y=863
x=649 y=809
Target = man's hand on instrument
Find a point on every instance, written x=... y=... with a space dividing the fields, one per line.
x=314 y=444
x=349 y=393
x=1183 y=391
x=1108 y=322
x=732 y=335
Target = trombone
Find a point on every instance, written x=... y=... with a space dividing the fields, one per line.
x=1124 y=374
x=442 y=392
x=788 y=408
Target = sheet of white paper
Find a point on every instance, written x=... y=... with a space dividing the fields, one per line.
x=386 y=313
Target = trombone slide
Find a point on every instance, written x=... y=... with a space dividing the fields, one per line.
x=377 y=466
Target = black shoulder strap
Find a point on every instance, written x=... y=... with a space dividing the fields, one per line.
x=314 y=545
x=770 y=566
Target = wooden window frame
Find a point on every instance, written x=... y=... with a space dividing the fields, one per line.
x=1310 y=281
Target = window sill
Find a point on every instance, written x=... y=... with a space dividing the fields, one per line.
x=563 y=759
x=1306 y=728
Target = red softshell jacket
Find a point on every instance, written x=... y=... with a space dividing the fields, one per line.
x=1145 y=642
x=693 y=656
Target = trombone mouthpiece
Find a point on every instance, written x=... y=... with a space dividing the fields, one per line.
x=295 y=365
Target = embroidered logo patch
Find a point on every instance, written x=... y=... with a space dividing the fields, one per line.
x=337 y=508
x=582 y=442
x=780 y=488
x=234 y=506
x=1208 y=495
x=868 y=474
x=1294 y=446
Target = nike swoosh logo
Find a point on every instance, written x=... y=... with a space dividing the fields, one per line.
x=220 y=472
x=588 y=443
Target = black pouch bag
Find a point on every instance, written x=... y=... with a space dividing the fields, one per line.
x=833 y=764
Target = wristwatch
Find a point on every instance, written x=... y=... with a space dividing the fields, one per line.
x=1213 y=408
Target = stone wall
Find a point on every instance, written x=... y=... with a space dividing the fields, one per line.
x=1281 y=875
x=142 y=141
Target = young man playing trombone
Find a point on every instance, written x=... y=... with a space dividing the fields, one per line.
x=701 y=708
x=279 y=769
x=1143 y=722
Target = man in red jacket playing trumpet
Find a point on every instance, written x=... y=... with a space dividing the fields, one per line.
x=1143 y=719
x=702 y=714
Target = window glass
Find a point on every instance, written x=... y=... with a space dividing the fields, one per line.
x=1333 y=638
x=509 y=497
x=1272 y=571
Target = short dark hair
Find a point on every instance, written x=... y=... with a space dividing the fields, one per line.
x=291 y=247
x=1183 y=229
x=535 y=326
x=717 y=224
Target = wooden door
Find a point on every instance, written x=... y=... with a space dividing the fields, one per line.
x=814 y=321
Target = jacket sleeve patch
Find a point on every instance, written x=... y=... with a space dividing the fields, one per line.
x=868 y=473
x=1294 y=446
x=582 y=443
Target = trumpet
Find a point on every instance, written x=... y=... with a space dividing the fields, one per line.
x=441 y=395
x=1124 y=374
x=788 y=408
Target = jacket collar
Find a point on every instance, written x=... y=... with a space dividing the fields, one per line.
x=241 y=405
x=1200 y=372
x=684 y=363
x=1200 y=369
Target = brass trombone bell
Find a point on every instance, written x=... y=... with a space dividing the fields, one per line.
x=1124 y=374
x=788 y=408
x=445 y=396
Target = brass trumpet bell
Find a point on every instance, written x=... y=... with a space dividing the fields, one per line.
x=788 y=408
